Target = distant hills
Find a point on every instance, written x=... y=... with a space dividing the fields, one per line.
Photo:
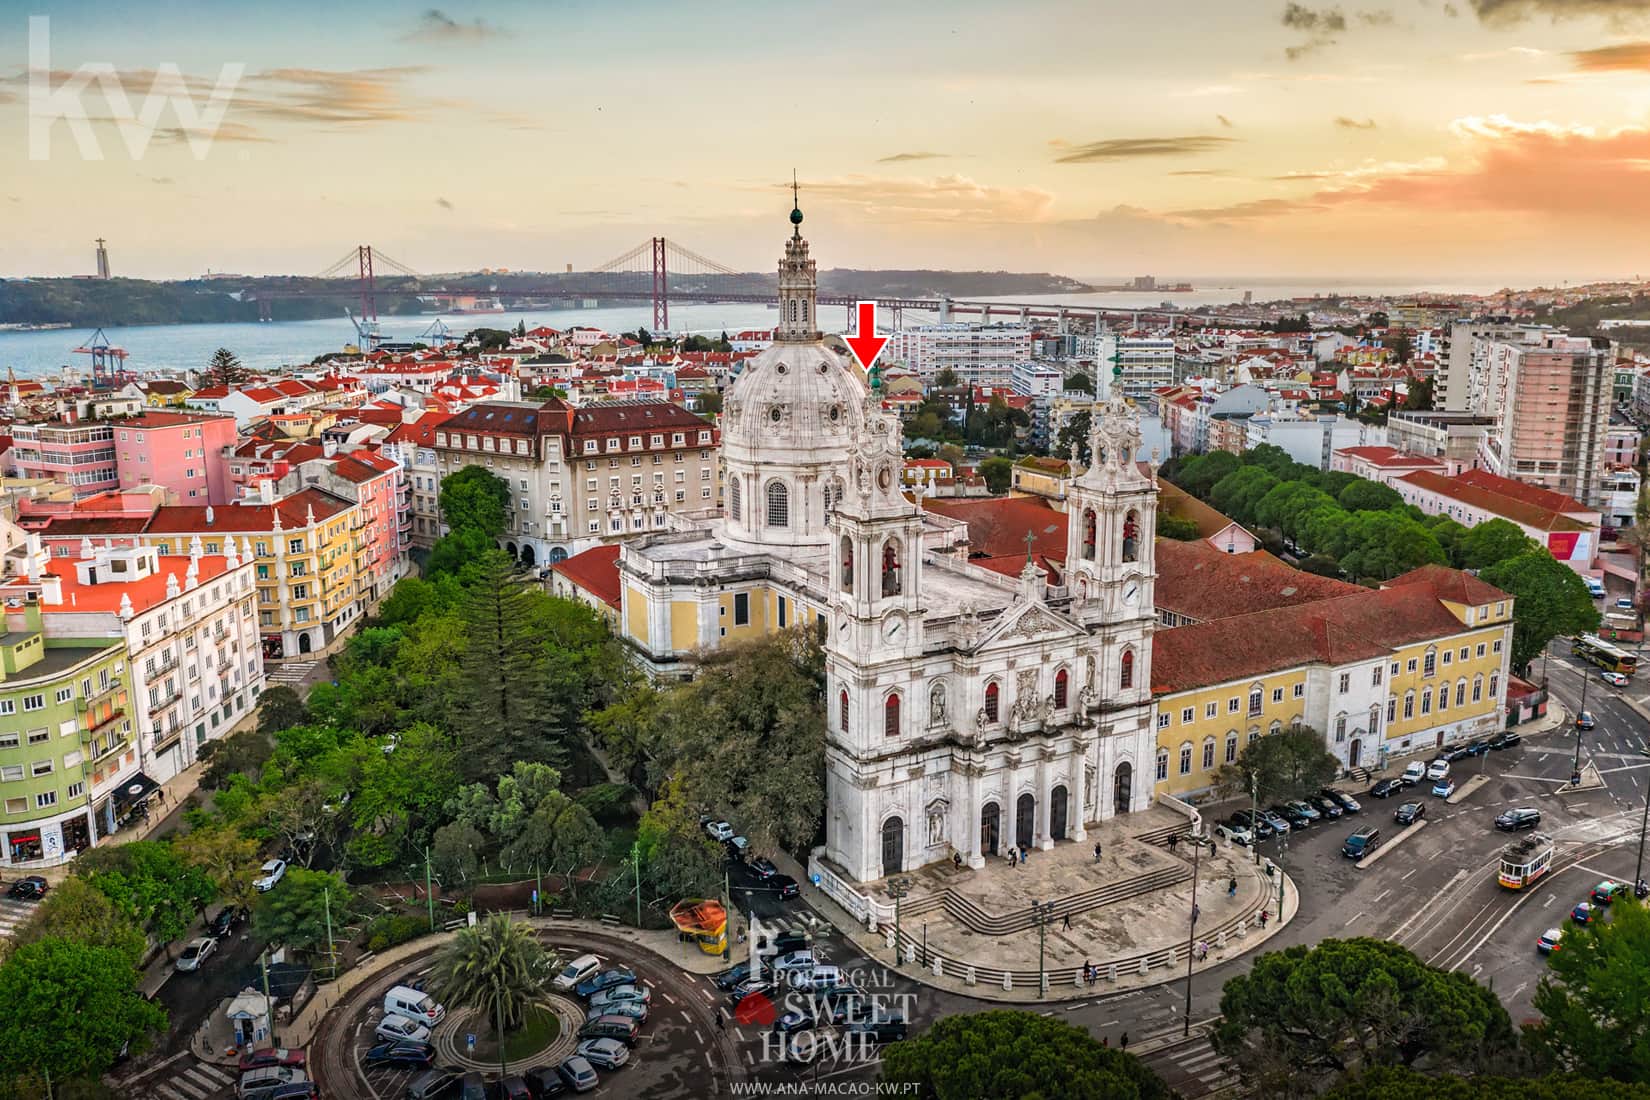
x=88 y=302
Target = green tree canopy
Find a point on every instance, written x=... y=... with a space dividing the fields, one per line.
x=1387 y=544
x=998 y=473
x=475 y=499
x=1173 y=527
x=1369 y=496
x=295 y=911
x=1551 y=598
x=1078 y=380
x=1398 y=1083
x=225 y=369
x=150 y=883
x=1488 y=543
x=1074 y=432
x=280 y=707
x=1009 y=1054
x=946 y=378
x=77 y=911
x=497 y=967
x=70 y=1007
x=1593 y=1000
x=1198 y=475
x=1288 y=764
x=1305 y=1015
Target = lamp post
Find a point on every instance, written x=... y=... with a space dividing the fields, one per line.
x=1575 y=768
x=1042 y=915
x=1197 y=841
x=1644 y=822
x=897 y=889
x=1254 y=814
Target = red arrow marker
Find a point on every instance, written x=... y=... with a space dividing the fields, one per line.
x=867 y=345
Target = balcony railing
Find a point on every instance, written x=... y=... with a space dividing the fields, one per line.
x=85 y=704
x=89 y=732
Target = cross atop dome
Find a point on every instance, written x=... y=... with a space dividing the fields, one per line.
x=796 y=209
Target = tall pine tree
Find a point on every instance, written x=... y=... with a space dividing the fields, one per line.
x=507 y=711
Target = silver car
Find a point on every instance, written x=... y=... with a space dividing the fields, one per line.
x=195 y=953
x=401 y=1029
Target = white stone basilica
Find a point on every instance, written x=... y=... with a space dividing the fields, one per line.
x=968 y=710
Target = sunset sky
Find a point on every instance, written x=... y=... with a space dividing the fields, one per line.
x=1501 y=139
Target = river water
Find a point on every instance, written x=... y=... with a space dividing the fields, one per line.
x=283 y=343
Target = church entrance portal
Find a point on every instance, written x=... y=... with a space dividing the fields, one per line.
x=1355 y=752
x=893 y=846
x=1057 y=813
x=990 y=828
x=1121 y=785
x=1025 y=821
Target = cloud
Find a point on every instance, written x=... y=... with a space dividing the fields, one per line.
x=1242 y=211
x=1508 y=12
x=443 y=203
x=436 y=25
x=1324 y=26
x=1202 y=172
x=164 y=181
x=1354 y=124
x=949 y=198
x=898 y=158
x=1627 y=57
x=227 y=132
x=1132 y=148
x=1224 y=121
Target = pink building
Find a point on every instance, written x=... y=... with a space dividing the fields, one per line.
x=81 y=455
x=182 y=452
x=373 y=482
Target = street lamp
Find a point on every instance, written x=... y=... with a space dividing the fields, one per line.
x=1254 y=814
x=1575 y=768
x=1638 y=865
x=897 y=889
x=1042 y=915
x=1197 y=841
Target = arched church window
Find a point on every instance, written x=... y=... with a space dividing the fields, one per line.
x=804 y=309
x=1088 y=534
x=735 y=502
x=890 y=568
x=991 y=694
x=793 y=309
x=842 y=712
x=1125 y=678
x=779 y=504
x=1061 y=681
x=1131 y=536
x=890 y=715
x=847 y=564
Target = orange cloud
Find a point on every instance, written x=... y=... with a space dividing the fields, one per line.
x=1627 y=57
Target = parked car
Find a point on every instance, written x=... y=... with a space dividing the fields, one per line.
x=30 y=888
x=631 y=1010
x=850 y=1007
x=1327 y=807
x=606 y=1053
x=1478 y=748
x=1347 y=802
x=795 y=960
x=435 y=1084
x=1523 y=817
x=1413 y=774
x=578 y=1074
x=272 y=1056
x=1452 y=753
x=1361 y=843
x=732 y=976
x=575 y=972
x=415 y=1004
x=618 y=1028
x=513 y=1088
x=796 y=1020
x=416 y=1055
x=746 y=988
x=1304 y=808
x=1410 y=812
x=1293 y=817
x=785 y=886
x=604 y=980
x=1256 y=823
x=890 y=1030
x=1549 y=941
x=1437 y=769
x=1444 y=787
x=472 y=1086
x=227 y=920
x=1614 y=679
x=1607 y=891
x=1276 y=821
x=819 y=979
x=737 y=848
x=782 y=944
x=1625 y=603
x=1505 y=740
x=720 y=830
x=195 y=953
x=621 y=994
x=543 y=1081
x=262 y=1083
x=1584 y=913
x=762 y=867
x=1237 y=834
x=402 y=1029
x=272 y=870
x=1586 y=721
x=1386 y=788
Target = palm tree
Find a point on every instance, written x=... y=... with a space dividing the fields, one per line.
x=496 y=967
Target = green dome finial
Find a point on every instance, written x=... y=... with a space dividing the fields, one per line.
x=796 y=205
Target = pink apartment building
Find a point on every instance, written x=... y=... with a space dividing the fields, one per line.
x=182 y=452
x=81 y=454
x=1551 y=398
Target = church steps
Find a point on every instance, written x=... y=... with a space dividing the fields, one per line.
x=971 y=915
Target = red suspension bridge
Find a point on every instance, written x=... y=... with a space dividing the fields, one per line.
x=657 y=271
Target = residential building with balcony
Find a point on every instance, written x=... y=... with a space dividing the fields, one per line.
x=412 y=446
x=181 y=452
x=82 y=456
x=979 y=355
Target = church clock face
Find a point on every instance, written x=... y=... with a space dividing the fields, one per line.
x=892 y=627
x=1131 y=591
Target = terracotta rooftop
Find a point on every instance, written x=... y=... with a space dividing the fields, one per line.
x=247 y=518
x=1198 y=581
x=1174 y=501
x=1524 y=491
x=997 y=526
x=596 y=571
x=145 y=593
x=1389 y=457
x=1516 y=509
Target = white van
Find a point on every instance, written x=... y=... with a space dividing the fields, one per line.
x=1413 y=774
x=256 y=1084
x=406 y=1001
x=1595 y=587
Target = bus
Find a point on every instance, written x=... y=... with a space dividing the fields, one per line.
x=1525 y=860
x=1595 y=650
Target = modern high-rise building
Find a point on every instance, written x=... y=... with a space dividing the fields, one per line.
x=1550 y=397
x=979 y=355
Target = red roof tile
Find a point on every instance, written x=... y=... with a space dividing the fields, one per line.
x=596 y=571
x=1523 y=490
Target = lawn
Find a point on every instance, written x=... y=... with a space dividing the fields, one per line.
x=538 y=1031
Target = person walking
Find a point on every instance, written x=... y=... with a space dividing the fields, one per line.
x=1173 y=840
x=1065 y=922
x=1105 y=1042
x=1123 y=1042
x=1013 y=857
x=1211 y=847
x=1097 y=851
x=1231 y=888
x=1263 y=918
x=721 y=1024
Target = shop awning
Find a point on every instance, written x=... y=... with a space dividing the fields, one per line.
x=132 y=791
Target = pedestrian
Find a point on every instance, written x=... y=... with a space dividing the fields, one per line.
x=1173 y=840
x=721 y=1024
x=1088 y=973
x=956 y=860
x=1094 y=975
x=1013 y=857
x=1123 y=1042
x=1024 y=852
x=1097 y=851
x=1065 y=922
x=1231 y=888
x=1211 y=847
x=1105 y=1042
x=1263 y=918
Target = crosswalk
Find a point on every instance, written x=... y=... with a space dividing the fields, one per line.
x=289 y=673
x=13 y=915
x=191 y=1080
x=1209 y=1069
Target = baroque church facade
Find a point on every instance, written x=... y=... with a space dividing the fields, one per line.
x=968 y=710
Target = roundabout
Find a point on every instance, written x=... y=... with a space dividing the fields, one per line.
x=548 y=1035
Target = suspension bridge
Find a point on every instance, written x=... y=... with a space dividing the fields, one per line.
x=658 y=271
